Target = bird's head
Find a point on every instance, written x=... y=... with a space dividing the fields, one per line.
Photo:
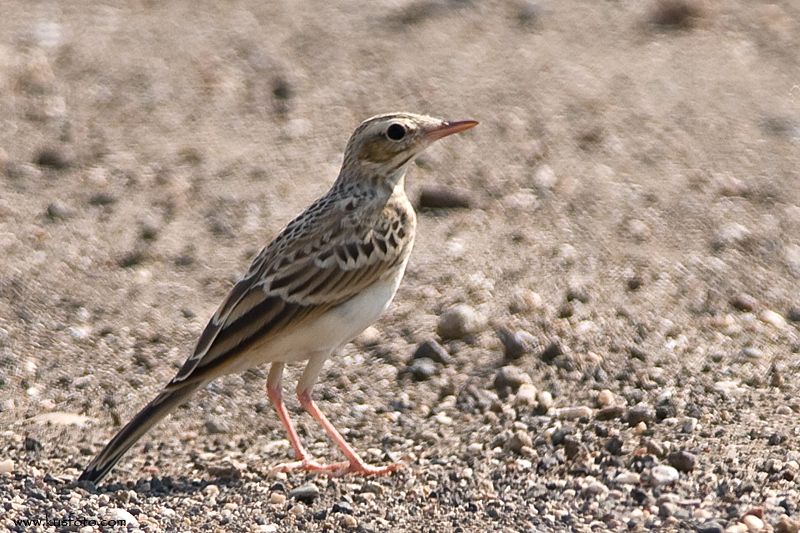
x=383 y=146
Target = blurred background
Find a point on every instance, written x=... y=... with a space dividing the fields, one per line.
x=620 y=237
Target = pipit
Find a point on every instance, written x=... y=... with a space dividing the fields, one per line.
x=325 y=278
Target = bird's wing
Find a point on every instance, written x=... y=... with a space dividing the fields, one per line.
x=318 y=261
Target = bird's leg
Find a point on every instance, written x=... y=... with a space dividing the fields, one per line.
x=275 y=394
x=355 y=464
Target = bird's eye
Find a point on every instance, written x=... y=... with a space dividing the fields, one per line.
x=396 y=132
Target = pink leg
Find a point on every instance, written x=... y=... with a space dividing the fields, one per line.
x=275 y=395
x=355 y=464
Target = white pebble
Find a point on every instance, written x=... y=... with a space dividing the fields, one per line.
x=772 y=318
x=753 y=523
x=526 y=395
x=627 y=478
x=664 y=474
x=545 y=400
x=605 y=398
x=115 y=513
x=6 y=466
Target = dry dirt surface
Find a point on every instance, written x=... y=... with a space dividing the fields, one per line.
x=598 y=330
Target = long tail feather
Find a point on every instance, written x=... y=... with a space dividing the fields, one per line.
x=152 y=413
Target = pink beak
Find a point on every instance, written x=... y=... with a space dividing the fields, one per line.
x=449 y=128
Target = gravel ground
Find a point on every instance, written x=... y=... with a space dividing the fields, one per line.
x=598 y=330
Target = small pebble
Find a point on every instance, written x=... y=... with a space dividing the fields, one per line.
x=434 y=351
x=744 y=302
x=6 y=466
x=348 y=521
x=545 y=400
x=122 y=515
x=58 y=210
x=217 y=426
x=519 y=440
x=460 y=321
x=422 y=369
x=682 y=460
x=277 y=498
x=664 y=475
x=733 y=234
x=772 y=318
x=516 y=343
x=551 y=352
x=605 y=398
x=524 y=301
x=627 y=478
x=526 y=395
x=441 y=197
x=305 y=493
x=640 y=412
x=751 y=352
x=611 y=412
x=710 y=527
x=594 y=489
x=572 y=413
x=508 y=380
x=56 y=157
x=544 y=179
x=753 y=523
x=787 y=525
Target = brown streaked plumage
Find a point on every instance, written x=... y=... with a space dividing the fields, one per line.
x=325 y=278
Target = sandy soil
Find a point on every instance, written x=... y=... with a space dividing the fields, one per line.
x=633 y=223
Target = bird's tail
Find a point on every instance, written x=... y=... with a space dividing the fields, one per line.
x=152 y=413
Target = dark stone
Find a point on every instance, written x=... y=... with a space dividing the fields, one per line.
x=32 y=445
x=640 y=412
x=641 y=497
x=614 y=446
x=552 y=351
x=342 y=507
x=434 y=351
x=305 y=493
x=53 y=157
x=710 y=527
x=610 y=412
x=516 y=343
x=665 y=409
x=102 y=199
x=439 y=197
x=776 y=439
x=682 y=461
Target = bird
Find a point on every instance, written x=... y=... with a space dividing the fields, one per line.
x=326 y=277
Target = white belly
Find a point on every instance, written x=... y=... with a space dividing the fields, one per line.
x=337 y=327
